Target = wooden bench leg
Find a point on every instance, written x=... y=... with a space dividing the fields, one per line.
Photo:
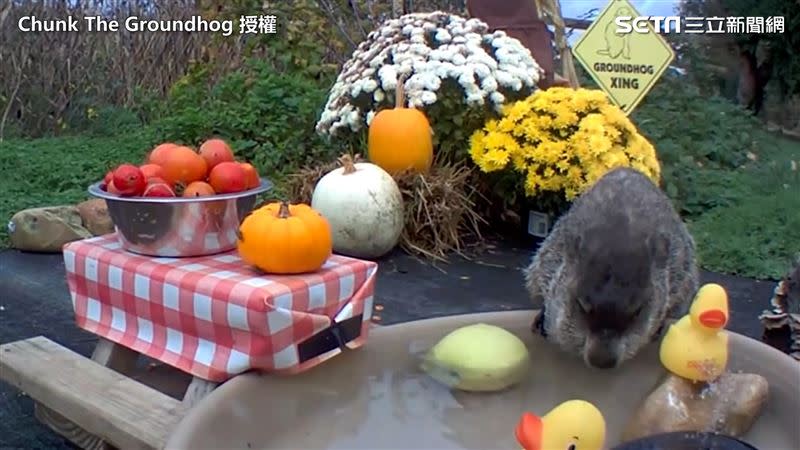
x=106 y=353
x=197 y=390
x=63 y=426
x=115 y=357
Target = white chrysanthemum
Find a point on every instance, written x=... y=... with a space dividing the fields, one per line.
x=474 y=99
x=417 y=39
x=369 y=85
x=489 y=84
x=443 y=36
x=428 y=97
x=497 y=98
x=388 y=77
x=504 y=78
x=425 y=49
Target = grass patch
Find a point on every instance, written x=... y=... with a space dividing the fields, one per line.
x=754 y=229
x=57 y=171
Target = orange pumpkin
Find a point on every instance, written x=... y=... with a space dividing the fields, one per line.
x=280 y=238
x=400 y=139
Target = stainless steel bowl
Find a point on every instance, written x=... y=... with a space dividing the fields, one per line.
x=179 y=227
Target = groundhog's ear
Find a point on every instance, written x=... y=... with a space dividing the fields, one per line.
x=659 y=249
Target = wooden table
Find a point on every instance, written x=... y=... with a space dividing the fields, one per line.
x=207 y=319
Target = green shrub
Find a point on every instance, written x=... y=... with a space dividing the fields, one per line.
x=267 y=117
x=112 y=121
x=698 y=139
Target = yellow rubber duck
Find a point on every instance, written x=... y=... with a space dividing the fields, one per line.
x=696 y=346
x=572 y=425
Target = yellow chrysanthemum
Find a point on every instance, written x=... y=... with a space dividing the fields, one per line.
x=516 y=111
x=506 y=125
x=562 y=140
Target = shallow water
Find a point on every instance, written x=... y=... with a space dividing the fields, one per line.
x=378 y=398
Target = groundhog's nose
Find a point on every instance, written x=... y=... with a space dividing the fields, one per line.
x=601 y=360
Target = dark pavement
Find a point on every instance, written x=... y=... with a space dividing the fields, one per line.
x=34 y=300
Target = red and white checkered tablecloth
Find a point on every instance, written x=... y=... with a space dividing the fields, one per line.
x=213 y=316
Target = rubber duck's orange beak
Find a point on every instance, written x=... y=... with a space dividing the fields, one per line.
x=713 y=318
x=529 y=432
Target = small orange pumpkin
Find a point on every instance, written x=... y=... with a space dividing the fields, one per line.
x=399 y=138
x=280 y=238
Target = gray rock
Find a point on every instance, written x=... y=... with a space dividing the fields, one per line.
x=46 y=229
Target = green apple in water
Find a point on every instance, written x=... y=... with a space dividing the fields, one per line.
x=478 y=357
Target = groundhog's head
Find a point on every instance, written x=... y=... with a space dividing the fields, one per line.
x=613 y=297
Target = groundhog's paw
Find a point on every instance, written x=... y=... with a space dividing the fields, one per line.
x=537 y=327
x=658 y=334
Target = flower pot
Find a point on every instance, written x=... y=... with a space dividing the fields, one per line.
x=534 y=226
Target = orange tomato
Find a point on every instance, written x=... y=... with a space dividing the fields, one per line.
x=198 y=189
x=252 y=179
x=159 y=154
x=216 y=151
x=184 y=166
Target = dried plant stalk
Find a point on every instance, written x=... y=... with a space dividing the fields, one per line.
x=56 y=74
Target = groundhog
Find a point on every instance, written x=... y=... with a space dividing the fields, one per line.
x=612 y=270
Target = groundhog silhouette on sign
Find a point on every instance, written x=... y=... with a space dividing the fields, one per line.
x=617 y=44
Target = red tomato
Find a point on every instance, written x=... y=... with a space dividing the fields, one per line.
x=129 y=180
x=158 y=190
x=111 y=189
x=228 y=177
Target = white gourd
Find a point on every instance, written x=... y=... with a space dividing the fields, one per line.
x=364 y=207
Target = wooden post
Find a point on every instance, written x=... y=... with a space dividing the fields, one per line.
x=397 y=8
x=550 y=11
x=520 y=20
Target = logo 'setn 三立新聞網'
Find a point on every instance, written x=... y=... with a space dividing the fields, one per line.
x=707 y=25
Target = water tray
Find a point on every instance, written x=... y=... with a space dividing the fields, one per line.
x=377 y=398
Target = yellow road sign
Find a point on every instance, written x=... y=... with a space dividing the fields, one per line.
x=626 y=66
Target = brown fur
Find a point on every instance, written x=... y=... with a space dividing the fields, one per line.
x=612 y=270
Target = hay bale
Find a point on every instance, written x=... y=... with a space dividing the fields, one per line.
x=440 y=215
